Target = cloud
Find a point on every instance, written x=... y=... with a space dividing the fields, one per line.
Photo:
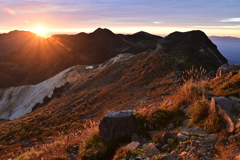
x=10 y=11
x=231 y=20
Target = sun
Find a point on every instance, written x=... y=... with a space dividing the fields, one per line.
x=40 y=31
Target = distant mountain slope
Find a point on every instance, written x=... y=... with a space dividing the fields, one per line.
x=194 y=48
x=229 y=47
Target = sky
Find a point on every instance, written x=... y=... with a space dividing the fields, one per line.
x=160 y=17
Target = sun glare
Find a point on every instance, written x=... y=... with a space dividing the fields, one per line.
x=40 y=31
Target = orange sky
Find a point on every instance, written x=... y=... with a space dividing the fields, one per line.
x=219 y=18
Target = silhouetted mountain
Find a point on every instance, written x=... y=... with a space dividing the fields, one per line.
x=193 y=48
x=140 y=36
x=26 y=58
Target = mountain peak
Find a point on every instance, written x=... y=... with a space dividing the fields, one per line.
x=102 y=31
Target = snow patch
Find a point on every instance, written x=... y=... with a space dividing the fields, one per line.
x=89 y=67
x=18 y=101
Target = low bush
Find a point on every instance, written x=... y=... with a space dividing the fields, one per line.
x=199 y=111
x=124 y=153
x=94 y=148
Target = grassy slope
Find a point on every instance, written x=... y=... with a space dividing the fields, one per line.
x=141 y=81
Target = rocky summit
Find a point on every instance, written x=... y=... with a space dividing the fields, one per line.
x=112 y=96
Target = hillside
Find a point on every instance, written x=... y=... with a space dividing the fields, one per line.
x=51 y=119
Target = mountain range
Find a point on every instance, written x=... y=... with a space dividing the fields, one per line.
x=26 y=58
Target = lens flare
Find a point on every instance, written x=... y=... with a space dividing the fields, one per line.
x=40 y=31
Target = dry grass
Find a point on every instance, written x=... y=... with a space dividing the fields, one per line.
x=227 y=86
x=124 y=153
x=60 y=148
x=199 y=111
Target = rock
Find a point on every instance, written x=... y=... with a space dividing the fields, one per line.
x=183 y=144
x=171 y=156
x=193 y=150
x=193 y=143
x=182 y=108
x=212 y=137
x=133 y=145
x=170 y=141
x=135 y=138
x=234 y=138
x=193 y=138
x=183 y=154
x=185 y=122
x=182 y=128
x=234 y=98
x=165 y=137
x=165 y=147
x=221 y=143
x=182 y=135
x=170 y=126
x=187 y=111
x=197 y=130
x=117 y=125
x=132 y=157
x=152 y=133
x=226 y=69
x=159 y=146
x=224 y=108
x=151 y=149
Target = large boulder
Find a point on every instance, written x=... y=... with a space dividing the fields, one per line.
x=116 y=125
x=225 y=108
x=226 y=69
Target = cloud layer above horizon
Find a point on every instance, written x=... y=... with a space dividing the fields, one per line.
x=156 y=16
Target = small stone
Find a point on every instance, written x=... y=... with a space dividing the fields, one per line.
x=197 y=130
x=187 y=111
x=171 y=156
x=193 y=143
x=165 y=137
x=170 y=126
x=175 y=151
x=182 y=108
x=193 y=150
x=170 y=141
x=184 y=154
x=139 y=157
x=165 y=147
x=183 y=144
x=134 y=137
x=182 y=135
x=188 y=148
x=213 y=137
x=193 y=138
x=133 y=145
x=151 y=149
x=159 y=146
x=132 y=157
x=185 y=122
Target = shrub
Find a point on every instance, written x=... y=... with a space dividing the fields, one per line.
x=199 y=111
x=95 y=148
x=194 y=74
x=124 y=153
x=214 y=123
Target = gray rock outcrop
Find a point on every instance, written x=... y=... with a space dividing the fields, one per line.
x=224 y=107
x=117 y=125
x=226 y=69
